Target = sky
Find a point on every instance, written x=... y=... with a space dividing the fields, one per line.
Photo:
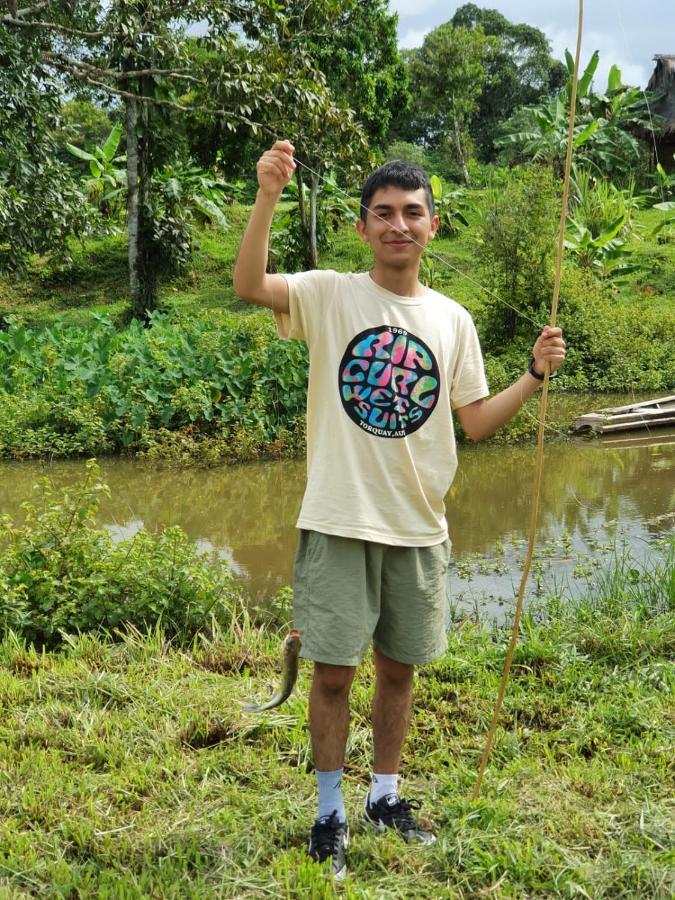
x=623 y=31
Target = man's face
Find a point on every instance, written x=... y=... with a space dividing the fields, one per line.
x=398 y=222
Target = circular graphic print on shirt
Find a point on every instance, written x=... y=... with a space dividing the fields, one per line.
x=388 y=381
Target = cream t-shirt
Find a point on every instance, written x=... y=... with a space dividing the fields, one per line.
x=384 y=373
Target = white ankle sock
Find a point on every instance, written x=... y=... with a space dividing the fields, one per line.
x=330 y=794
x=381 y=786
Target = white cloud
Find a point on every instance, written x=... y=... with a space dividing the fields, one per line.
x=413 y=38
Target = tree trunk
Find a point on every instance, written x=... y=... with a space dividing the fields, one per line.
x=145 y=300
x=313 y=246
x=461 y=157
x=132 y=196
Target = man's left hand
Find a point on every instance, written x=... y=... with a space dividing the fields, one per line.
x=549 y=347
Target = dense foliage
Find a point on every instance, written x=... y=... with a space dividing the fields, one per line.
x=96 y=390
x=520 y=71
x=41 y=203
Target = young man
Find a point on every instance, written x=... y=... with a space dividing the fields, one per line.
x=389 y=361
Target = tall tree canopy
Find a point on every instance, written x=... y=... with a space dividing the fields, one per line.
x=519 y=71
x=447 y=74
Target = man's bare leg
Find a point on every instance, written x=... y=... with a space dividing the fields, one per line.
x=329 y=714
x=391 y=718
x=329 y=726
x=391 y=712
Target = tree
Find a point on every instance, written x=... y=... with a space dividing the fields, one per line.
x=138 y=51
x=354 y=45
x=447 y=75
x=520 y=71
x=515 y=254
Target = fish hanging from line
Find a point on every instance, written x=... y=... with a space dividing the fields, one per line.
x=290 y=657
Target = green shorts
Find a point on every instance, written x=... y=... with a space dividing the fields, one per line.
x=347 y=592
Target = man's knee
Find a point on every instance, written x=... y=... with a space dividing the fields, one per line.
x=391 y=673
x=333 y=679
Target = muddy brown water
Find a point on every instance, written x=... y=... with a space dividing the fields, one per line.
x=595 y=494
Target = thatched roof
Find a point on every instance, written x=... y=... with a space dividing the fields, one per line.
x=663 y=82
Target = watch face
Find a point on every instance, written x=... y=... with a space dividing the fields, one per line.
x=389 y=381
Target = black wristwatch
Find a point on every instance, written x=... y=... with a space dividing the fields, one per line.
x=533 y=372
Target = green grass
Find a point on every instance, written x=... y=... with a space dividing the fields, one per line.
x=130 y=771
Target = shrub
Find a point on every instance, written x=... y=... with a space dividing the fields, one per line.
x=515 y=253
x=59 y=573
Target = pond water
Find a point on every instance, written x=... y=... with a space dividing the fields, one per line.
x=595 y=494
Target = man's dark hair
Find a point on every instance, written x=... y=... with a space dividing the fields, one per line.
x=400 y=174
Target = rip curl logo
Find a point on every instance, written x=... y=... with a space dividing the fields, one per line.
x=388 y=381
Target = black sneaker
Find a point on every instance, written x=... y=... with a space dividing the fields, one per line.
x=329 y=838
x=394 y=812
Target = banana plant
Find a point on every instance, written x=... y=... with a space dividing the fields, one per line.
x=450 y=206
x=603 y=130
x=107 y=182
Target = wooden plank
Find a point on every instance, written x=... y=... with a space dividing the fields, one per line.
x=659 y=400
x=627 y=426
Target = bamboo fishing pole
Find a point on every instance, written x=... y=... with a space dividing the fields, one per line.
x=543 y=403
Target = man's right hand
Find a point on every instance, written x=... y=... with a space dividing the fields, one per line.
x=275 y=168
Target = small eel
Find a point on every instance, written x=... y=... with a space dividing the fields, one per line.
x=290 y=650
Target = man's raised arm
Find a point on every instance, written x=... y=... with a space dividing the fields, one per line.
x=251 y=281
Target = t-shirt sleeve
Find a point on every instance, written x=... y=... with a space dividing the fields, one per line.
x=468 y=377
x=309 y=294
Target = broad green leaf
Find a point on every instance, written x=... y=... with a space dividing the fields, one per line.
x=112 y=142
x=211 y=211
x=587 y=77
x=81 y=154
x=614 y=79
x=569 y=60
x=588 y=132
x=611 y=231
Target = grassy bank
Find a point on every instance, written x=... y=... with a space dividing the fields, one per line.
x=129 y=769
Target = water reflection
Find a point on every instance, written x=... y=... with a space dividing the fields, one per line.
x=247 y=513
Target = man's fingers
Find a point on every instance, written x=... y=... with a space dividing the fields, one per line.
x=286 y=146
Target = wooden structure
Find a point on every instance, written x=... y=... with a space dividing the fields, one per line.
x=663 y=82
x=649 y=414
